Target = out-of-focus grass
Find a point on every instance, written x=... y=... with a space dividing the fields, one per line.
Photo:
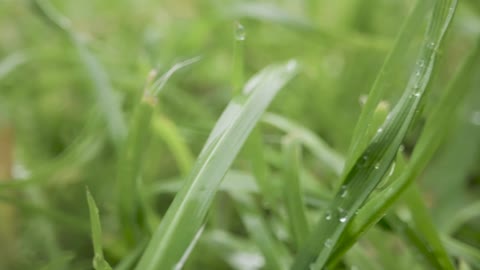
x=67 y=96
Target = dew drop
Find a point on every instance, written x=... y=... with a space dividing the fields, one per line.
x=377 y=166
x=328 y=243
x=240 y=33
x=421 y=63
x=291 y=65
x=363 y=161
x=392 y=169
x=343 y=191
x=328 y=215
x=342 y=214
x=380 y=130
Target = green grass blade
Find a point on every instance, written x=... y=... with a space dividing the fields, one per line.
x=415 y=240
x=168 y=131
x=99 y=262
x=310 y=140
x=463 y=250
x=190 y=206
x=374 y=162
x=465 y=214
x=423 y=225
x=293 y=192
x=129 y=260
x=440 y=120
x=395 y=61
x=134 y=153
x=276 y=255
x=10 y=63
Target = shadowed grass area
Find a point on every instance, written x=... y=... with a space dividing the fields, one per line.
x=296 y=135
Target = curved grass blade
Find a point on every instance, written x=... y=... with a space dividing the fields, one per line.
x=99 y=262
x=190 y=206
x=374 y=162
x=395 y=61
x=440 y=120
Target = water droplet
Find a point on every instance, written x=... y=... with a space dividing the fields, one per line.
x=342 y=214
x=343 y=191
x=377 y=166
x=475 y=118
x=328 y=215
x=328 y=243
x=392 y=169
x=380 y=130
x=363 y=161
x=240 y=33
x=291 y=65
x=431 y=45
x=421 y=63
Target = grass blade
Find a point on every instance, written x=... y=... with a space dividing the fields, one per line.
x=423 y=225
x=276 y=255
x=333 y=160
x=134 y=152
x=190 y=206
x=440 y=120
x=9 y=63
x=374 y=162
x=99 y=262
x=168 y=131
x=394 y=62
x=293 y=192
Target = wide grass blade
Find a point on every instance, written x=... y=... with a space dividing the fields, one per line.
x=190 y=206
x=373 y=163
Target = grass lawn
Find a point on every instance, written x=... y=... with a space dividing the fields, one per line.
x=281 y=134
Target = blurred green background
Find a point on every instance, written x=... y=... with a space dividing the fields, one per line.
x=54 y=138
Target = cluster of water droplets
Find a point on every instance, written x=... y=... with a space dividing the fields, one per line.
x=340 y=214
x=240 y=33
